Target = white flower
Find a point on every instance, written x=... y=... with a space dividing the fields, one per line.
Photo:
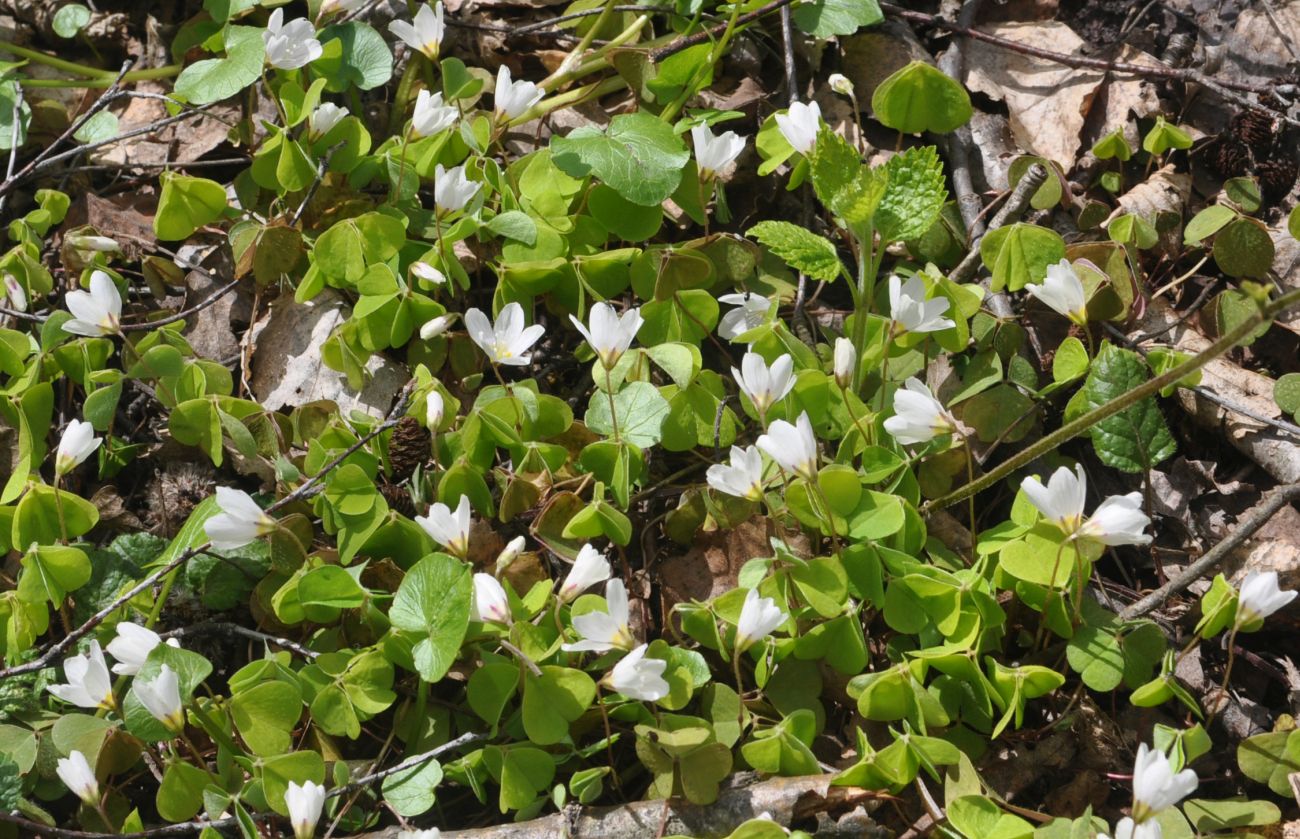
x=751 y=312
x=14 y=293
x=433 y=408
x=431 y=115
x=911 y=312
x=1062 y=290
x=610 y=335
x=428 y=273
x=794 y=447
x=428 y=832
x=765 y=386
x=98 y=244
x=918 y=416
x=589 y=568
x=426 y=34
x=305 y=804
x=436 y=326
x=96 y=312
x=714 y=154
x=510 y=553
x=77 y=443
x=490 y=600
x=326 y=117
x=240 y=521
x=603 y=631
x=161 y=697
x=89 y=685
x=451 y=189
x=75 y=773
x=1128 y=829
x=758 y=617
x=507 y=341
x=846 y=362
x=447 y=528
x=1156 y=786
x=290 y=45
x=1118 y=520
x=840 y=84
x=513 y=99
x=638 y=677
x=799 y=125
x=329 y=7
x=743 y=478
x=1259 y=596
x=132 y=645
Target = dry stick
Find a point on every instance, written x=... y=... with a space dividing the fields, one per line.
x=1070 y=430
x=1015 y=207
x=307 y=489
x=704 y=36
x=409 y=763
x=1277 y=498
x=958 y=143
x=50 y=162
x=236 y=629
x=1227 y=89
x=181 y=829
x=184 y=313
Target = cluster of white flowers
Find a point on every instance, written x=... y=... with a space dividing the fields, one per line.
x=1118 y=520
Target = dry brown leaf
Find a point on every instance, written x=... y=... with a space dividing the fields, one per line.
x=1050 y=103
x=288 y=370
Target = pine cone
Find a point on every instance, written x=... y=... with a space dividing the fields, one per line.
x=1276 y=177
x=1232 y=158
x=1257 y=129
x=408 y=448
x=398 y=498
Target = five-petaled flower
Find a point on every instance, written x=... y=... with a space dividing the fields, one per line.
x=750 y=312
x=1118 y=520
x=304 y=803
x=911 y=312
x=161 y=697
x=512 y=99
x=326 y=116
x=290 y=45
x=800 y=124
x=1156 y=786
x=603 y=631
x=240 y=521
x=589 y=568
x=765 y=386
x=508 y=340
x=451 y=189
x=447 y=527
x=743 y=477
x=89 y=684
x=76 y=774
x=758 y=617
x=794 y=447
x=918 y=416
x=1259 y=597
x=426 y=33
x=77 y=443
x=1062 y=290
x=431 y=114
x=490 y=601
x=609 y=334
x=714 y=154
x=132 y=645
x=95 y=312
x=638 y=677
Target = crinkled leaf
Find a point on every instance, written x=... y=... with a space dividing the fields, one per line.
x=1136 y=438
x=801 y=249
x=914 y=196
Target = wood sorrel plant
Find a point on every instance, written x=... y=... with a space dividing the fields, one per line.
x=467 y=598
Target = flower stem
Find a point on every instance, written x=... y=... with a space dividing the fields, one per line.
x=609 y=393
x=56 y=63
x=740 y=689
x=1076 y=427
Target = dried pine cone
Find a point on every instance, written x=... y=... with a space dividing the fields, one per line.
x=408 y=448
x=398 y=498
x=1232 y=158
x=1276 y=177
x=1257 y=129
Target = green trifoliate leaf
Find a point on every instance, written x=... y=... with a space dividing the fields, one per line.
x=638 y=155
x=921 y=97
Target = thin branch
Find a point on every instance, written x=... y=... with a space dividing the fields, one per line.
x=184 y=313
x=1015 y=207
x=409 y=763
x=1278 y=498
x=49 y=163
x=704 y=36
x=216 y=627
x=181 y=829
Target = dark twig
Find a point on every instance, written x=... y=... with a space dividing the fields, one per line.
x=959 y=142
x=87 y=147
x=197 y=307
x=218 y=627
x=321 y=167
x=180 y=829
x=1278 y=498
x=14 y=313
x=1016 y=205
x=704 y=36
x=409 y=763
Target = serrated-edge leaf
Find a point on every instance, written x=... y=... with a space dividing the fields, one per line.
x=801 y=249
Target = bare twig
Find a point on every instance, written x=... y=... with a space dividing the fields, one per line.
x=958 y=143
x=181 y=315
x=409 y=763
x=180 y=829
x=1277 y=498
x=1016 y=205
x=53 y=161
x=218 y=627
